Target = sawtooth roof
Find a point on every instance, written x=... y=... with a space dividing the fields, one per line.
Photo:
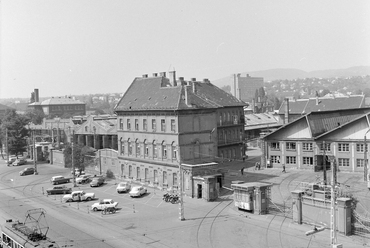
x=305 y=106
x=156 y=93
x=323 y=122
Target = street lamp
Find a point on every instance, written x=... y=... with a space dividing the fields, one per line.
x=73 y=164
x=34 y=152
x=57 y=119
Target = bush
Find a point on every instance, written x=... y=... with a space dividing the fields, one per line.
x=110 y=174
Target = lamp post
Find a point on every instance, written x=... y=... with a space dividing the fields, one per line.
x=57 y=119
x=71 y=133
x=181 y=204
x=34 y=152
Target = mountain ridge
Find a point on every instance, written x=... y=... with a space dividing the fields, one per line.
x=291 y=73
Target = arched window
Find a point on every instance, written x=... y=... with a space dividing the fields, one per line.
x=146 y=149
x=130 y=171
x=138 y=173
x=129 y=145
x=155 y=176
x=164 y=149
x=165 y=177
x=122 y=146
x=155 y=152
x=137 y=148
x=146 y=175
x=174 y=151
x=174 y=175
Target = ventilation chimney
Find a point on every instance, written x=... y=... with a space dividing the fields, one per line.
x=193 y=79
x=286 y=115
x=205 y=80
x=145 y=75
x=155 y=74
x=162 y=74
x=194 y=85
x=37 y=95
x=172 y=77
x=187 y=96
x=181 y=80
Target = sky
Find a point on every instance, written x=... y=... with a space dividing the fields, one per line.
x=76 y=47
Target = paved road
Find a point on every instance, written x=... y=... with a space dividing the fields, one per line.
x=150 y=222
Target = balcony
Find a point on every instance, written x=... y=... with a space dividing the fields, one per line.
x=229 y=142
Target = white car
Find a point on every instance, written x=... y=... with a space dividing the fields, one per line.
x=104 y=204
x=83 y=179
x=137 y=191
x=79 y=196
x=123 y=187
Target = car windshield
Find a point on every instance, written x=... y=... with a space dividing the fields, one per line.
x=122 y=184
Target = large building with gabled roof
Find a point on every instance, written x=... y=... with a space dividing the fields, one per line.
x=308 y=142
x=291 y=110
x=164 y=122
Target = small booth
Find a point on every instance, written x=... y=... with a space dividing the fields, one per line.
x=207 y=187
x=252 y=197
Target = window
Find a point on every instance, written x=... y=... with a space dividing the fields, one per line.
x=130 y=171
x=146 y=174
x=164 y=177
x=121 y=124
x=307 y=160
x=137 y=148
x=145 y=125
x=129 y=148
x=155 y=154
x=146 y=149
x=174 y=175
x=173 y=126
x=360 y=162
x=325 y=147
x=163 y=125
x=275 y=159
x=154 y=125
x=360 y=147
x=138 y=173
x=290 y=159
x=136 y=125
x=275 y=146
x=164 y=150
x=86 y=129
x=128 y=124
x=343 y=162
x=307 y=147
x=122 y=147
x=290 y=145
x=343 y=147
x=155 y=176
x=174 y=151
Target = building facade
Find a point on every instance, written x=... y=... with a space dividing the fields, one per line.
x=244 y=87
x=164 y=124
x=315 y=139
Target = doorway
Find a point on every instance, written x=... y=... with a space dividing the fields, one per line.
x=199 y=191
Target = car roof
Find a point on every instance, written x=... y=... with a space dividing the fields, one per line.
x=107 y=200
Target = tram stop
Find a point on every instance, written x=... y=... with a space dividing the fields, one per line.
x=253 y=197
x=207 y=187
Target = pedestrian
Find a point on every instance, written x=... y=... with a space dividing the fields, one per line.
x=243 y=158
x=256 y=166
x=242 y=171
x=284 y=169
x=259 y=165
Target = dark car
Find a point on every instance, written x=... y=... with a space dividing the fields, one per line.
x=27 y=171
x=59 y=190
x=19 y=161
x=97 y=181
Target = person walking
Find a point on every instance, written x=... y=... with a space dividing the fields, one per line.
x=242 y=171
x=284 y=169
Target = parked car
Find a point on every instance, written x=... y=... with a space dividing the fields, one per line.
x=137 y=191
x=59 y=180
x=83 y=179
x=123 y=187
x=19 y=161
x=79 y=196
x=27 y=171
x=59 y=190
x=97 y=181
x=103 y=204
x=78 y=172
x=11 y=160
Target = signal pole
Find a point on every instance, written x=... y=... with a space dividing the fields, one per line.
x=181 y=205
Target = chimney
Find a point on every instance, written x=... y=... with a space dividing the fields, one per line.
x=194 y=84
x=181 y=80
x=172 y=77
x=155 y=74
x=286 y=115
x=162 y=74
x=205 y=80
x=187 y=100
x=37 y=95
x=193 y=79
x=145 y=75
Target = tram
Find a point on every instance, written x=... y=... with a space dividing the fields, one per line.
x=18 y=235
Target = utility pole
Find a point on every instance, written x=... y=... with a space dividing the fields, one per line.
x=324 y=162
x=7 y=145
x=333 y=228
x=34 y=152
x=365 y=158
x=181 y=207
x=73 y=164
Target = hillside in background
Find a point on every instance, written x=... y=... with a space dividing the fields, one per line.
x=276 y=74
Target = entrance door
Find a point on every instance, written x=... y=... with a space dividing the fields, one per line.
x=199 y=191
x=219 y=181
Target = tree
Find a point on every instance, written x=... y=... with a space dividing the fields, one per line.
x=13 y=126
x=226 y=88
x=82 y=156
x=36 y=116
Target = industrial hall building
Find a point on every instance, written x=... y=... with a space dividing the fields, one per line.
x=165 y=123
x=319 y=138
